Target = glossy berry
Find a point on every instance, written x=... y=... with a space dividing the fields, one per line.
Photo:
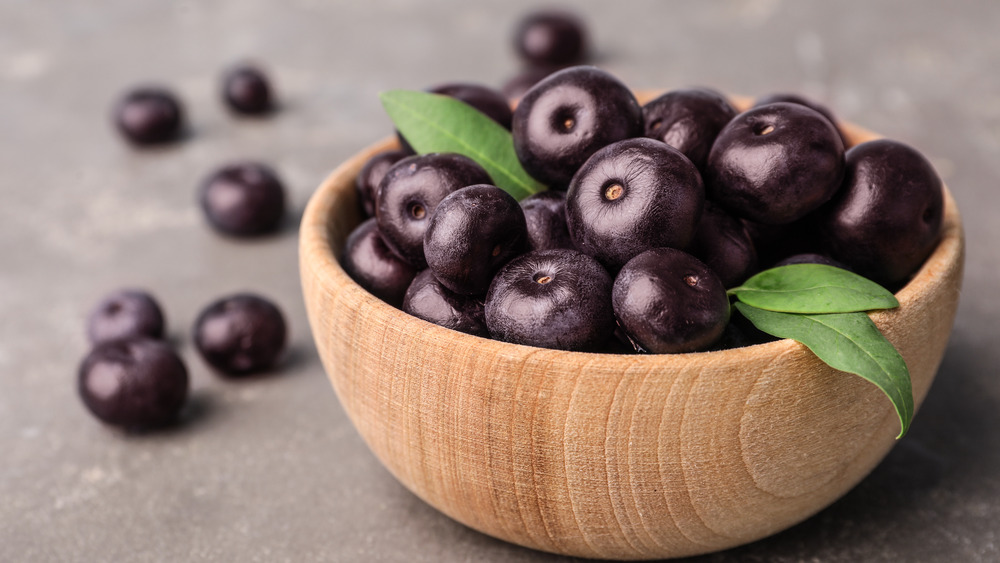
x=125 y=313
x=490 y=102
x=668 y=302
x=410 y=192
x=887 y=219
x=723 y=243
x=240 y=334
x=148 y=116
x=472 y=234
x=427 y=299
x=552 y=299
x=569 y=116
x=796 y=99
x=545 y=214
x=243 y=199
x=776 y=163
x=551 y=38
x=632 y=196
x=246 y=90
x=133 y=383
x=688 y=120
x=374 y=267
x=371 y=175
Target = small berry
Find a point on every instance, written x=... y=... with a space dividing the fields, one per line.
x=243 y=199
x=240 y=334
x=149 y=116
x=123 y=314
x=133 y=383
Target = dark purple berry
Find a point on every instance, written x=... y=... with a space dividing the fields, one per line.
x=123 y=314
x=552 y=299
x=796 y=99
x=632 y=196
x=374 y=267
x=887 y=218
x=427 y=299
x=240 y=334
x=723 y=243
x=569 y=116
x=410 y=192
x=472 y=234
x=545 y=213
x=149 y=115
x=247 y=90
x=551 y=37
x=774 y=164
x=243 y=199
x=371 y=175
x=490 y=102
x=133 y=383
x=669 y=301
x=688 y=120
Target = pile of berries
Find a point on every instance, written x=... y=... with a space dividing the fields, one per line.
x=132 y=378
x=652 y=212
x=241 y=199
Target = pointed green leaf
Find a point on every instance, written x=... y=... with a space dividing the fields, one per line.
x=813 y=288
x=849 y=342
x=437 y=123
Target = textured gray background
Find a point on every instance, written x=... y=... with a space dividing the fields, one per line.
x=269 y=469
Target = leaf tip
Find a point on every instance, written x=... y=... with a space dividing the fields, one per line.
x=386 y=96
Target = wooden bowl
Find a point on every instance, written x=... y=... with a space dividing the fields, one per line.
x=601 y=455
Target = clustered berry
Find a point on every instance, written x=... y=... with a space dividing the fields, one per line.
x=652 y=213
x=241 y=199
x=132 y=378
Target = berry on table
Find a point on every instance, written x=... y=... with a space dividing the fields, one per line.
x=125 y=313
x=149 y=115
x=240 y=334
x=133 y=383
x=243 y=199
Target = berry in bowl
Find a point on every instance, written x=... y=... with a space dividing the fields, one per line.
x=611 y=396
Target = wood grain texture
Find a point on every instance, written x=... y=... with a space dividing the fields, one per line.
x=608 y=456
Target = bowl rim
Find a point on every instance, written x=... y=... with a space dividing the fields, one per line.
x=323 y=258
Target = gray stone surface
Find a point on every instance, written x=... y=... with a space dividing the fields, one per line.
x=269 y=469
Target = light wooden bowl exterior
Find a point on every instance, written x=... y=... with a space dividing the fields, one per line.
x=609 y=456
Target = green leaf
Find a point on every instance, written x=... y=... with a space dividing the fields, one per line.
x=813 y=288
x=849 y=342
x=437 y=123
